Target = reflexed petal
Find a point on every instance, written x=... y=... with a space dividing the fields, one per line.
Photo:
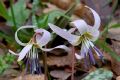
x=97 y=20
x=16 y=34
x=13 y=52
x=57 y=47
x=44 y=39
x=64 y=34
x=81 y=25
x=24 y=51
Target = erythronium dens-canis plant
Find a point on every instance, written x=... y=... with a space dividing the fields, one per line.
x=39 y=40
x=84 y=36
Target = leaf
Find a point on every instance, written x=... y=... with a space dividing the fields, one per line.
x=115 y=26
x=42 y=21
x=62 y=21
x=20 y=13
x=99 y=74
x=104 y=46
x=3 y=11
x=59 y=61
x=30 y=77
x=60 y=74
x=53 y=15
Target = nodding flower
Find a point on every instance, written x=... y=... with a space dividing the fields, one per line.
x=30 y=50
x=84 y=36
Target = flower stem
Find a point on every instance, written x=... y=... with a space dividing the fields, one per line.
x=13 y=16
x=45 y=65
x=73 y=61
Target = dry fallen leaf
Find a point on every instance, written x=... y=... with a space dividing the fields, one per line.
x=64 y=4
x=50 y=7
x=84 y=13
x=59 y=61
x=114 y=33
x=115 y=64
x=30 y=77
x=60 y=74
x=118 y=78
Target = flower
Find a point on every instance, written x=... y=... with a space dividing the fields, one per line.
x=85 y=36
x=30 y=51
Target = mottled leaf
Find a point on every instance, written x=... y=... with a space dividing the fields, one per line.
x=99 y=74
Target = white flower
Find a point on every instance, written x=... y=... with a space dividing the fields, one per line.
x=86 y=35
x=39 y=39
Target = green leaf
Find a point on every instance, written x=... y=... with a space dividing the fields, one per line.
x=36 y=5
x=9 y=58
x=103 y=45
x=115 y=26
x=53 y=15
x=99 y=74
x=3 y=11
x=43 y=21
x=20 y=12
x=62 y=21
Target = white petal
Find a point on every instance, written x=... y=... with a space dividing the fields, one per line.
x=44 y=39
x=81 y=25
x=16 y=34
x=84 y=50
x=97 y=20
x=13 y=52
x=78 y=56
x=24 y=51
x=64 y=34
x=94 y=32
x=57 y=47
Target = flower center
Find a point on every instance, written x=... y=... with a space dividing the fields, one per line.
x=85 y=37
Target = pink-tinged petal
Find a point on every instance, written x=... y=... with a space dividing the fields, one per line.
x=97 y=20
x=57 y=47
x=81 y=25
x=44 y=39
x=64 y=34
x=78 y=56
x=16 y=34
x=71 y=30
x=13 y=52
x=24 y=51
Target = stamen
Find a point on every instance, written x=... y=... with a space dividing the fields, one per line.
x=91 y=57
x=99 y=53
x=32 y=63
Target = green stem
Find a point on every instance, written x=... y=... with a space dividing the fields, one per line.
x=13 y=16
